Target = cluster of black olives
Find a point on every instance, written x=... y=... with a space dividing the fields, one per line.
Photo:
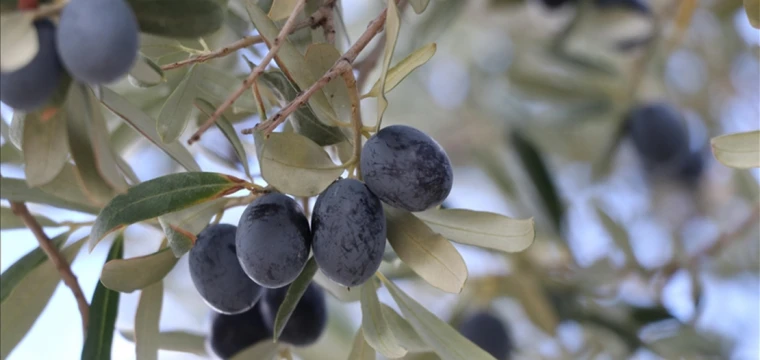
x=659 y=134
x=244 y=271
x=635 y=5
x=95 y=41
x=489 y=333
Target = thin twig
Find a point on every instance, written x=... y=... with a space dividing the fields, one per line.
x=224 y=51
x=356 y=118
x=20 y=209
x=278 y=41
x=329 y=24
x=342 y=65
x=48 y=11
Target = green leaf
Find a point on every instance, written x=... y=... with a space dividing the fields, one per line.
x=18 y=40
x=740 y=150
x=377 y=332
x=281 y=9
x=30 y=296
x=16 y=135
x=292 y=63
x=182 y=226
x=147 y=320
x=264 y=350
x=175 y=114
x=448 y=343
x=392 y=26
x=10 y=155
x=45 y=147
x=128 y=275
x=427 y=253
x=103 y=311
x=419 y=5
x=146 y=73
x=228 y=130
x=535 y=167
x=294 y=164
x=219 y=85
x=179 y=341
x=68 y=186
x=293 y=296
x=161 y=196
x=526 y=288
x=752 y=7
x=22 y=267
x=405 y=67
x=9 y=220
x=338 y=291
x=186 y=19
x=17 y=190
x=480 y=228
x=304 y=120
x=145 y=125
x=361 y=350
x=403 y=331
x=321 y=57
x=618 y=234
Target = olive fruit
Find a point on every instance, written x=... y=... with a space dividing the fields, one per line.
x=489 y=333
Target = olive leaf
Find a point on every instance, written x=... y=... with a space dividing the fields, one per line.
x=281 y=9
x=12 y=276
x=361 y=349
x=16 y=133
x=161 y=196
x=448 y=343
x=104 y=308
x=228 y=130
x=392 y=26
x=294 y=164
x=419 y=5
x=18 y=40
x=147 y=321
x=29 y=297
x=480 y=228
x=194 y=18
x=68 y=186
x=403 y=331
x=17 y=190
x=321 y=57
x=264 y=350
x=45 y=147
x=404 y=67
x=739 y=150
x=295 y=291
x=752 y=7
x=292 y=63
x=146 y=73
x=128 y=275
x=175 y=114
x=9 y=220
x=179 y=341
x=338 y=291
x=426 y=252
x=145 y=125
x=375 y=327
x=181 y=227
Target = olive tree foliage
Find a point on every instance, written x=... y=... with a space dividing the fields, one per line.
x=280 y=97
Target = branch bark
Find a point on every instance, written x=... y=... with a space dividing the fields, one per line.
x=20 y=209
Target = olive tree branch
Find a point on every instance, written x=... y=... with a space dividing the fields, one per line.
x=20 y=210
x=344 y=64
x=278 y=41
x=224 y=51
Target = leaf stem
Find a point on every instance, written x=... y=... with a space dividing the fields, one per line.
x=342 y=65
x=278 y=41
x=20 y=209
x=356 y=119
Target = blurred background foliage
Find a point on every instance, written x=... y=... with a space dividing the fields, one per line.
x=529 y=103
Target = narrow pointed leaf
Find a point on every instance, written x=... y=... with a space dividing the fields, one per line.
x=535 y=167
x=405 y=67
x=377 y=332
x=218 y=85
x=147 y=322
x=281 y=9
x=419 y=5
x=406 y=335
x=392 y=25
x=294 y=164
x=128 y=275
x=103 y=311
x=68 y=186
x=740 y=150
x=448 y=343
x=145 y=125
x=161 y=196
x=17 y=190
x=10 y=155
x=321 y=57
x=9 y=220
x=228 y=130
x=361 y=349
x=264 y=350
x=22 y=267
x=618 y=234
x=16 y=134
x=292 y=63
x=175 y=114
x=179 y=341
x=427 y=253
x=480 y=228
x=295 y=292
x=145 y=73
x=45 y=147
x=338 y=291
x=28 y=299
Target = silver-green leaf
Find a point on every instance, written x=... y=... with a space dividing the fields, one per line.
x=375 y=327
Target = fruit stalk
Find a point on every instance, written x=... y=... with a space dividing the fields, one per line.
x=20 y=210
x=356 y=119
